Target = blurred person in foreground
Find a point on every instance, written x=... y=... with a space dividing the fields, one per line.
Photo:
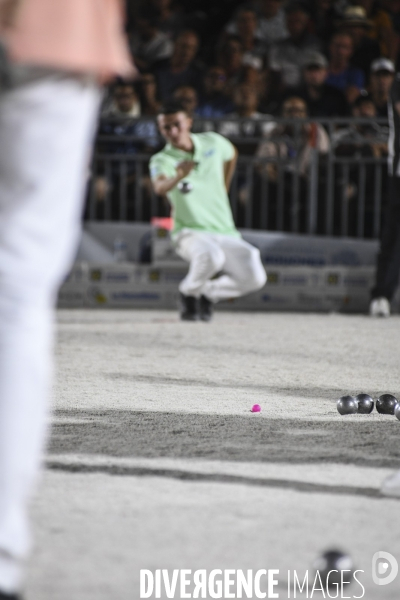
x=59 y=52
x=388 y=262
x=388 y=268
x=195 y=171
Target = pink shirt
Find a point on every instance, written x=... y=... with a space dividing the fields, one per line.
x=74 y=35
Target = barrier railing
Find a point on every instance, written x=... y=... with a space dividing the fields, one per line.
x=291 y=176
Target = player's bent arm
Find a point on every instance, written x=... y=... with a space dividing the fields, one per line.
x=163 y=184
x=229 y=169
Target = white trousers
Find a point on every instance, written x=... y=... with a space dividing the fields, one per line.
x=209 y=253
x=46 y=131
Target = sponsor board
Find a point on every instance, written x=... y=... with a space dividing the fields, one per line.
x=112 y=274
x=163 y=250
x=71 y=296
x=342 y=289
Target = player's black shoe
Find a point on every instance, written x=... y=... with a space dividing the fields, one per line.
x=4 y=596
x=206 y=309
x=188 y=308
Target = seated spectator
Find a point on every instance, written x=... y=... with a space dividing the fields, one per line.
x=340 y=74
x=381 y=29
x=284 y=141
x=323 y=100
x=246 y=102
x=181 y=68
x=148 y=44
x=323 y=20
x=148 y=95
x=122 y=133
x=187 y=96
x=231 y=59
x=286 y=57
x=358 y=140
x=170 y=19
x=381 y=79
x=124 y=102
x=291 y=147
x=392 y=7
x=254 y=49
x=366 y=139
x=271 y=21
x=214 y=101
x=365 y=49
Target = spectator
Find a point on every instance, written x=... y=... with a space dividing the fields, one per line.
x=287 y=56
x=292 y=146
x=341 y=75
x=381 y=29
x=285 y=141
x=230 y=58
x=246 y=102
x=254 y=50
x=187 y=96
x=181 y=68
x=118 y=123
x=324 y=17
x=323 y=100
x=358 y=140
x=365 y=49
x=214 y=101
x=124 y=102
x=148 y=44
x=170 y=20
x=366 y=139
x=381 y=79
x=149 y=101
x=271 y=21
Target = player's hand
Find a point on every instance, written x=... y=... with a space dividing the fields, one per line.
x=184 y=168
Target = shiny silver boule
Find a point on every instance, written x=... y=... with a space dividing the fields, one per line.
x=347 y=405
x=365 y=404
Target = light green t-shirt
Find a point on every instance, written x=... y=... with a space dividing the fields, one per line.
x=200 y=200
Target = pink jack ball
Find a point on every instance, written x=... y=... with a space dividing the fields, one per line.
x=256 y=408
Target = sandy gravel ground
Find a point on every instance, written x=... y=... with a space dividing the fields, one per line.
x=156 y=462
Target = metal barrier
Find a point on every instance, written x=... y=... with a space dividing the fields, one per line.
x=286 y=180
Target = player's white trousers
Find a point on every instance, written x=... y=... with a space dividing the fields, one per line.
x=210 y=253
x=46 y=132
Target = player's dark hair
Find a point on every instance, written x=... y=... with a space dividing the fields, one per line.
x=171 y=107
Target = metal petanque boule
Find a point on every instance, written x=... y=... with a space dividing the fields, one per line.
x=347 y=405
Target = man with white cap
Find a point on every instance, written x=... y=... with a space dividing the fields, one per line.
x=58 y=52
x=381 y=80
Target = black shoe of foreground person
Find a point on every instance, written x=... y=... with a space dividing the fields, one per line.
x=188 y=308
x=206 y=309
x=9 y=596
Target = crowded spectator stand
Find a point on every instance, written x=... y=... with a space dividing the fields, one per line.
x=234 y=65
